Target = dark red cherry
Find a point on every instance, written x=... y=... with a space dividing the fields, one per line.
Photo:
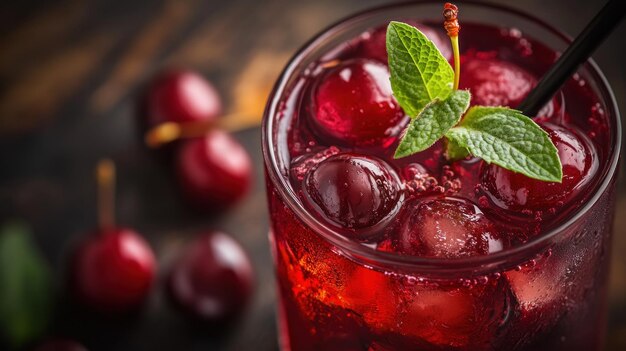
x=495 y=83
x=447 y=227
x=214 y=171
x=352 y=191
x=354 y=104
x=517 y=192
x=181 y=96
x=212 y=279
x=60 y=345
x=112 y=271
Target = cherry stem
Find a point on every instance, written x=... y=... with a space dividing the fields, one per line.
x=170 y=131
x=105 y=177
x=457 y=61
x=451 y=24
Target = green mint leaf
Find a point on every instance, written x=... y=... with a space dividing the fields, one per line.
x=25 y=287
x=454 y=151
x=419 y=72
x=432 y=123
x=510 y=140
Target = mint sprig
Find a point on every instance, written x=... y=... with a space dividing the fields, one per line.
x=422 y=82
x=432 y=123
x=419 y=72
x=509 y=139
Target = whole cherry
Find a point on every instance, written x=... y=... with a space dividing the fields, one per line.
x=496 y=83
x=352 y=191
x=181 y=96
x=60 y=345
x=213 y=171
x=113 y=269
x=516 y=192
x=212 y=280
x=353 y=103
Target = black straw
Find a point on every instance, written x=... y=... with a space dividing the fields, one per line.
x=575 y=55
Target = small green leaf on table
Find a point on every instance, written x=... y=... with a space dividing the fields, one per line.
x=26 y=293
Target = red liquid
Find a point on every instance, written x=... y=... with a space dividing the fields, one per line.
x=426 y=206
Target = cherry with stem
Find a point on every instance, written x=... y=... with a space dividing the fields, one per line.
x=168 y=132
x=213 y=170
x=113 y=269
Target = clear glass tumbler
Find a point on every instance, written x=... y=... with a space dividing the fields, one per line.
x=336 y=294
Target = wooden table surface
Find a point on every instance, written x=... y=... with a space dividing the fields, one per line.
x=70 y=73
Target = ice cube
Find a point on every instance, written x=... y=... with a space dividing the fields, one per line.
x=551 y=286
x=371 y=294
x=467 y=317
x=448 y=227
x=426 y=314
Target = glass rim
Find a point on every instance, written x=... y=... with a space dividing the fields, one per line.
x=500 y=260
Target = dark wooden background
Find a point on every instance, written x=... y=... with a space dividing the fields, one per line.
x=70 y=73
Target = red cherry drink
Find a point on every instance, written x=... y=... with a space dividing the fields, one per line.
x=422 y=253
